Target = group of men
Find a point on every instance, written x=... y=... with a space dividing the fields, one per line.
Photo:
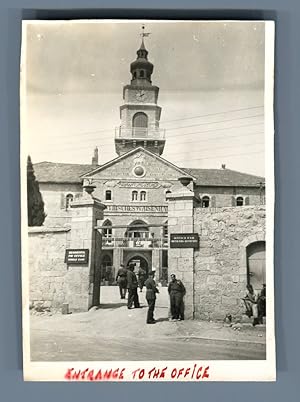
x=255 y=304
x=129 y=281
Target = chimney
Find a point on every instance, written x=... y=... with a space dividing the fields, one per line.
x=223 y=166
x=95 y=157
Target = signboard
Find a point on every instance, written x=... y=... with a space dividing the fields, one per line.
x=77 y=256
x=184 y=240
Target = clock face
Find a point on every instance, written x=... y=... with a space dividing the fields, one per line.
x=141 y=96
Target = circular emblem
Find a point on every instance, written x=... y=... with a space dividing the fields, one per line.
x=139 y=171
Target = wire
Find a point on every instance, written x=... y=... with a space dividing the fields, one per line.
x=216 y=129
x=222 y=156
x=182 y=134
x=176 y=144
x=111 y=130
x=214 y=122
x=63 y=149
x=212 y=149
x=211 y=114
x=217 y=138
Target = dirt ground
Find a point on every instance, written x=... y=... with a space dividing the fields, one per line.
x=112 y=332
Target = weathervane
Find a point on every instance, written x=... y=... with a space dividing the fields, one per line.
x=144 y=34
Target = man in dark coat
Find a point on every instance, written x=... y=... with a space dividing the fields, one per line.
x=151 y=291
x=176 y=291
x=141 y=278
x=121 y=279
x=132 y=285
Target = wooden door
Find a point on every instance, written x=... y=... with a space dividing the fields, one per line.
x=256 y=264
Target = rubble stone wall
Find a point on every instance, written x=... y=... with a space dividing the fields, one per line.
x=47 y=269
x=220 y=264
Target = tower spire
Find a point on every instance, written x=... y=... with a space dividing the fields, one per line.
x=141 y=69
x=144 y=34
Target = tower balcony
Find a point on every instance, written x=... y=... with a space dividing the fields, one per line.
x=140 y=133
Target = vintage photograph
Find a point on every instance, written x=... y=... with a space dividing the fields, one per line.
x=147 y=189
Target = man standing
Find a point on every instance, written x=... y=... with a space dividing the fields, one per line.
x=132 y=285
x=151 y=291
x=141 y=277
x=121 y=279
x=176 y=291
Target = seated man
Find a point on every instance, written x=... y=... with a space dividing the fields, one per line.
x=250 y=301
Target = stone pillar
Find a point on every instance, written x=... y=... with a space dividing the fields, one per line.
x=82 y=287
x=181 y=260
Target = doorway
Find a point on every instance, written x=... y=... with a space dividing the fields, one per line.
x=256 y=264
x=139 y=262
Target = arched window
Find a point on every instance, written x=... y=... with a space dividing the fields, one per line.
x=140 y=119
x=107 y=231
x=143 y=196
x=69 y=199
x=134 y=75
x=142 y=73
x=239 y=201
x=134 y=196
x=136 y=230
x=205 y=202
x=108 y=195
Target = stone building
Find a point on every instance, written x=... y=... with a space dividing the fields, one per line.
x=138 y=189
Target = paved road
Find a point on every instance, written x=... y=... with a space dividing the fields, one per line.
x=68 y=348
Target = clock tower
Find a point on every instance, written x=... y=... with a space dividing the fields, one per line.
x=140 y=114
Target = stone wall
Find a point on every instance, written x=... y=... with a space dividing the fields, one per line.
x=47 y=269
x=53 y=282
x=220 y=264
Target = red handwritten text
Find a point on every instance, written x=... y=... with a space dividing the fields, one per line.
x=194 y=372
x=94 y=375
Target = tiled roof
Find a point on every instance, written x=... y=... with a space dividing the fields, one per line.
x=51 y=172
x=224 y=177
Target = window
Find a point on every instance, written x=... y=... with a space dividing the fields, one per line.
x=108 y=195
x=69 y=199
x=239 y=201
x=142 y=73
x=134 y=75
x=143 y=196
x=205 y=202
x=134 y=196
x=107 y=231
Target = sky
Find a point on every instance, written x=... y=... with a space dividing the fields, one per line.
x=210 y=75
